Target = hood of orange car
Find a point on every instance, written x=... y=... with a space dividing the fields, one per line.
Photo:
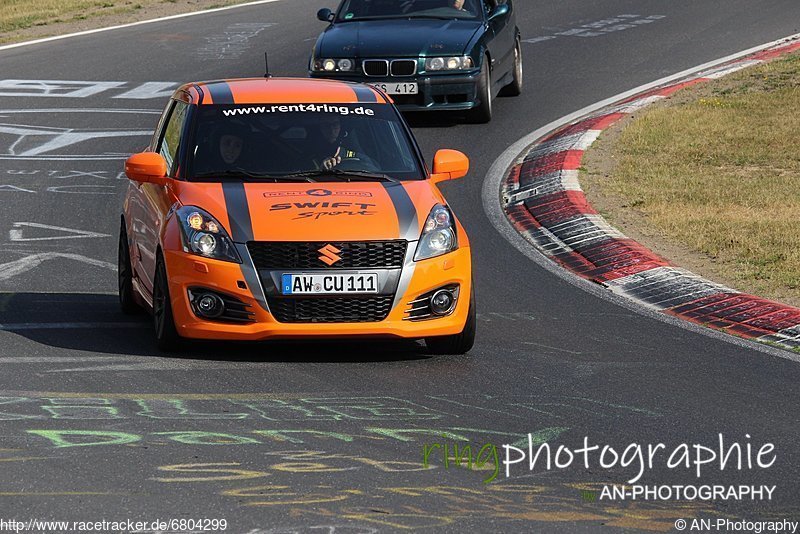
x=355 y=211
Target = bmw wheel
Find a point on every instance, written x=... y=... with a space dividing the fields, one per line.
x=483 y=113
x=167 y=337
x=515 y=87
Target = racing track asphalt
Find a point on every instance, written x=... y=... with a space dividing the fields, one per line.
x=206 y=433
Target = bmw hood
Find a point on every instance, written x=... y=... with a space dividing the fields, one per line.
x=397 y=38
x=354 y=211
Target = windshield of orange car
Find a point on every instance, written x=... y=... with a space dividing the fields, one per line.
x=316 y=142
x=408 y=9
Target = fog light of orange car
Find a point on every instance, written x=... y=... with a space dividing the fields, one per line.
x=442 y=302
x=209 y=305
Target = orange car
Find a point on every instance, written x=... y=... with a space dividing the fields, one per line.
x=292 y=208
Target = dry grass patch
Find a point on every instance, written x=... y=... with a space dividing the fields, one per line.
x=22 y=20
x=22 y=14
x=717 y=170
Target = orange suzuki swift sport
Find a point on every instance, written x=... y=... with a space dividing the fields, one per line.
x=291 y=208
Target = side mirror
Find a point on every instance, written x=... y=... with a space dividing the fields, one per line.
x=449 y=165
x=147 y=167
x=325 y=15
x=499 y=11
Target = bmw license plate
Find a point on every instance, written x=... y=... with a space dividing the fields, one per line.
x=392 y=88
x=329 y=284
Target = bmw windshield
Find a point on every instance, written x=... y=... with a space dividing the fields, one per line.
x=408 y=9
x=301 y=142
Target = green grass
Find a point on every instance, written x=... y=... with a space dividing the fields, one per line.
x=720 y=173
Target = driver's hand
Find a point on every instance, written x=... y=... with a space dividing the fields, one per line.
x=332 y=161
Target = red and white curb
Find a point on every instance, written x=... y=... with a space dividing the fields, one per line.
x=543 y=200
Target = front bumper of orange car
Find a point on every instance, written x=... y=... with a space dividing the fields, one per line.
x=187 y=272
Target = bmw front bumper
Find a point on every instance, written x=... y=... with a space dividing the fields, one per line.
x=455 y=92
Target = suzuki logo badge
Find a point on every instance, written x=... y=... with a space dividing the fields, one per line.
x=329 y=255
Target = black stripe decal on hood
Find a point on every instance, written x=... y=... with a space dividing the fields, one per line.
x=405 y=209
x=238 y=211
x=220 y=92
x=364 y=94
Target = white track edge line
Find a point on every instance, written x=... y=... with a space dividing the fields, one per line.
x=491 y=196
x=131 y=24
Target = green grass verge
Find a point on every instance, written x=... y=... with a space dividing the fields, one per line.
x=718 y=170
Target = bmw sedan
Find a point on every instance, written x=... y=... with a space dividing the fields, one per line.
x=426 y=54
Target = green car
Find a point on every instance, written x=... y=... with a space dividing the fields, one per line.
x=426 y=54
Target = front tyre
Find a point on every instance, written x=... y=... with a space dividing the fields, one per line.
x=515 y=87
x=483 y=113
x=127 y=302
x=167 y=338
x=458 y=343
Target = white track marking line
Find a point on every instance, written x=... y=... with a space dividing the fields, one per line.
x=15 y=234
x=140 y=23
x=23 y=265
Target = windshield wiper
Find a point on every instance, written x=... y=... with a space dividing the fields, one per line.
x=348 y=176
x=253 y=176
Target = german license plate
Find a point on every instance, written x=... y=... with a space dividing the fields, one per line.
x=329 y=284
x=407 y=88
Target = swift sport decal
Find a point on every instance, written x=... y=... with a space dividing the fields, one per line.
x=318 y=210
x=320 y=205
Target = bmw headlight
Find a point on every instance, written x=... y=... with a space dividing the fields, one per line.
x=439 y=235
x=434 y=64
x=204 y=236
x=334 y=65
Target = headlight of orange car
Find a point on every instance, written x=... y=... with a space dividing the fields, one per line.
x=204 y=236
x=438 y=236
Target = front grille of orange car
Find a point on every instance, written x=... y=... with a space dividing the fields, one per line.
x=330 y=309
x=304 y=255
